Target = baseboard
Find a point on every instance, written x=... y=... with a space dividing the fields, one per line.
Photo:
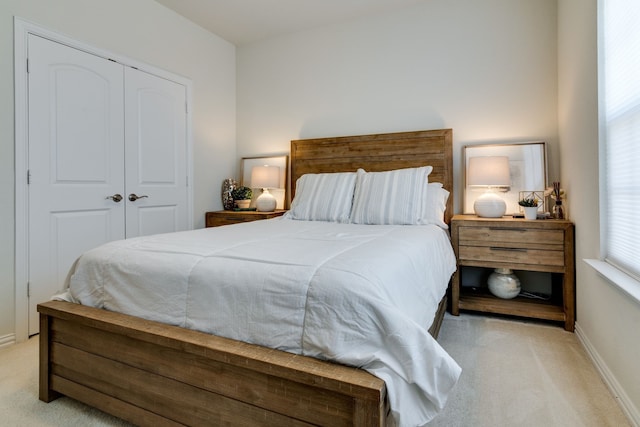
x=7 y=340
x=628 y=407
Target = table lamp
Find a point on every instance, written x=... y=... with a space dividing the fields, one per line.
x=492 y=174
x=265 y=177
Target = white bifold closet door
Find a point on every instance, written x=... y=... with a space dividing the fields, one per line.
x=107 y=159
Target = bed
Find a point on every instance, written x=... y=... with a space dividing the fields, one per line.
x=151 y=373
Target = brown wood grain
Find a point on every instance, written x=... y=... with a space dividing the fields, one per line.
x=191 y=377
x=517 y=244
x=516 y=256
x=218 y=218
x=220 y=377
x=376 y=153
x=515 y=307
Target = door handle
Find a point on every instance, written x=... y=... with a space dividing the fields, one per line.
x=116 y=198
x=133 y=197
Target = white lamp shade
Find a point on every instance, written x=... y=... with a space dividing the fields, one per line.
x=489 y=171
x=265 y=177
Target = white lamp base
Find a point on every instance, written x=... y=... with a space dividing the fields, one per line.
x=489 y=205
x=266 y=202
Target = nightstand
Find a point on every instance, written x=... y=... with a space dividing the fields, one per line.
x=517 y=244
x=215 y=219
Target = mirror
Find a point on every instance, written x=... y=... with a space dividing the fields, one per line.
x=282 y=162
x=527 y=169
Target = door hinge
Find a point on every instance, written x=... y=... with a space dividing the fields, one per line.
x=28 y=289
x=28 y=177
x=27 y=65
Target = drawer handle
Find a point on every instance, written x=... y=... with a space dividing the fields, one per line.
x=522 y=230
x=496 y=248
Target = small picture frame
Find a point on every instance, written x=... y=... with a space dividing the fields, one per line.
x=280 y=161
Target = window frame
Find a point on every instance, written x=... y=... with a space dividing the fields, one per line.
x=624 y=280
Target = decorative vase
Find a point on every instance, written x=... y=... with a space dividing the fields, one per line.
x=243 y=204
x=558 y=210
x=228 y=185
x=530 y=212
x=503 y=283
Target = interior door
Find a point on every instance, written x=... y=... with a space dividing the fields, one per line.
x=156 y=154
x=76 y=161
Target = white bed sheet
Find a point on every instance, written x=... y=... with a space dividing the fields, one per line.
x=360 y=295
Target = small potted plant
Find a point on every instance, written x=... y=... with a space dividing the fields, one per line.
x=530 y=206
x=242 y=197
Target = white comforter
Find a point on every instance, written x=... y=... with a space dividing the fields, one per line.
x=359 y=295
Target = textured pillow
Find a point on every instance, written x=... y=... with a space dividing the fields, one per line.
x=435 y=205
x=323 y=197
x=392 y=197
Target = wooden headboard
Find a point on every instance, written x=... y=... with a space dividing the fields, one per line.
x=377 y=153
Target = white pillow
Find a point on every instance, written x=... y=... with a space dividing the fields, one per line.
x=392 y=197
x=323 y=197
x=435 y=205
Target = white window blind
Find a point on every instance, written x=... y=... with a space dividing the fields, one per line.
x=621 y=48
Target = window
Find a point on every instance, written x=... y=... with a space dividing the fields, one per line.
x=620 y=64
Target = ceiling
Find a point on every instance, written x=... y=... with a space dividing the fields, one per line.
x=246 y=21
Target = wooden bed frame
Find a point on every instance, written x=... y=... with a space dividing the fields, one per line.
x=150 y=373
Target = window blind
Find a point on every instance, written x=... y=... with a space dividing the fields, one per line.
x=621 y=48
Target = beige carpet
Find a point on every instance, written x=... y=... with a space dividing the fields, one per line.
x=514 y=374
x=19 y=404
x=522 y=374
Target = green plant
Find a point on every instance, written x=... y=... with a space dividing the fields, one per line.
x=529 y=202
x=241 y=193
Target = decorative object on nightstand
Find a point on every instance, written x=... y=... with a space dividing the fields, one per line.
x=242 y=197
x=540 y=195
x=503 y=283
x=530 y=207
x=557 y=212
x=491 y=173
x=265 y=177
x=228 y=185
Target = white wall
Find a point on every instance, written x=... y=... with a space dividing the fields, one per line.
x=607 y=320
x=141 y=30
x=487 y=69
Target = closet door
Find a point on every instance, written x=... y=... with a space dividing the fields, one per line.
x=76 y=161
x=107 y=159
x=156 y=154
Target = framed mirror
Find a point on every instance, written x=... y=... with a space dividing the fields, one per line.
x=282 y=162
x=527 y=170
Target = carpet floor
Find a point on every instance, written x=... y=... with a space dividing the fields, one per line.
x=518 y=373
x=514 y=374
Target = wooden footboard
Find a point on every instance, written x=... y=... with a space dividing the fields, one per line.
x=153 y=374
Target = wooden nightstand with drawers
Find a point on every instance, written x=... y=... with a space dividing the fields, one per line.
x=517 y=244
x=218 y=218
